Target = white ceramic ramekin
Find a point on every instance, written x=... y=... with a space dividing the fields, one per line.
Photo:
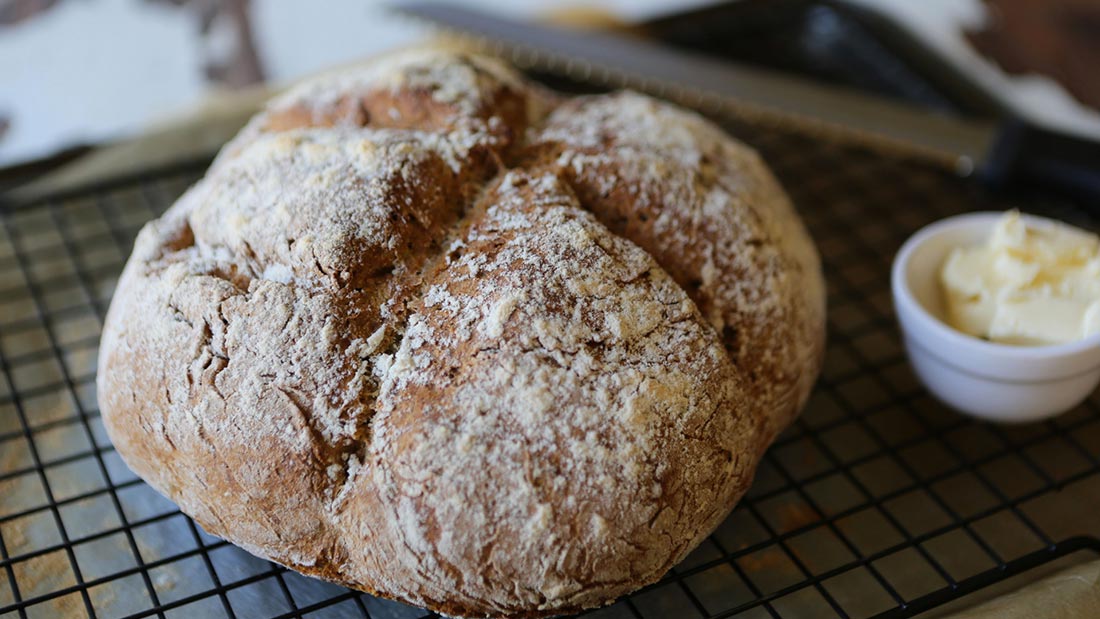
x=993 y=381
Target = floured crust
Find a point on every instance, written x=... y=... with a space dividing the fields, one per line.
x=434 y=333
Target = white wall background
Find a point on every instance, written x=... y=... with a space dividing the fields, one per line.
x=91 y=70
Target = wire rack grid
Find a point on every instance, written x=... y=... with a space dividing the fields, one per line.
x=878 y=502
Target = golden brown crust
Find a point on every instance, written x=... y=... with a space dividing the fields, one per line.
x=711 y=213
x=430 y=332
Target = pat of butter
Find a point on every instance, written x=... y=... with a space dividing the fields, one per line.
x=1027 y=285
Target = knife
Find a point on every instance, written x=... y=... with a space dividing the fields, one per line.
x=997 y=150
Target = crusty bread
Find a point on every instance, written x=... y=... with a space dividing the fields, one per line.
x=432 y=332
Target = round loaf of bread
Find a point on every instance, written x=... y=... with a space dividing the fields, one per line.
x=433 y=332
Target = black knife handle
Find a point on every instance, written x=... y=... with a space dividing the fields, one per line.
x=1024 y=153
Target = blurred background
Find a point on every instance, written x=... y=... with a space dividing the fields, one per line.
x=79 y=72
x=84 y=71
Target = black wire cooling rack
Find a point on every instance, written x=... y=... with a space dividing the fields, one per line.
x=878 y=502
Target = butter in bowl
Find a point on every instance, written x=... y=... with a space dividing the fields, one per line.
x=1029 y=285
x=1000 y=313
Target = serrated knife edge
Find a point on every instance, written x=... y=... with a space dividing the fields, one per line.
x=720 y=87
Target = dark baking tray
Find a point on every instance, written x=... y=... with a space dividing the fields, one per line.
x=878 y=502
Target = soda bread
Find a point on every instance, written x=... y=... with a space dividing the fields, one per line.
x=433 y=332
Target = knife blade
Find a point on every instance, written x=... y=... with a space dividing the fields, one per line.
x=722 y=87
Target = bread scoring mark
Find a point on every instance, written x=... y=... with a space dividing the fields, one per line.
x=533 y=230
x=710 y=213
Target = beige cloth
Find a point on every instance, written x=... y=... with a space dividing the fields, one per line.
x=1069 y=594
